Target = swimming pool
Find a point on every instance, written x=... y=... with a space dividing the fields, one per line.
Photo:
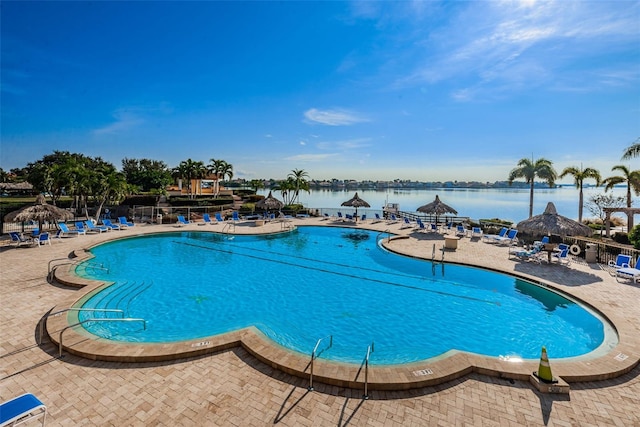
x=320 y=281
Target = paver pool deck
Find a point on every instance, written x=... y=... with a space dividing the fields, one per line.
x=233 y=388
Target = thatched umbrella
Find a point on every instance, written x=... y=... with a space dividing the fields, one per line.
x=40 y=211
x=356 y=202
x=550 y=222
x=270 y=203
x=437 y=208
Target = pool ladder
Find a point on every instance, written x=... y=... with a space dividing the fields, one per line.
x=229 y=227
x=433 y=255
x=388 y=235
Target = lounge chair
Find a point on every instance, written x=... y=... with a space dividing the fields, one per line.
x=107 y=223
x=181 y=221
x=19 y=239
x=630 y=273
x=22 y=409
x=433 y=227
x=622 y=261
x=563 y=256
x=406 y=223
x=378 y=219
x=339 y=217
x=510 y=238
x=235 y=217
x=420 y=226
x=542 y=242
x=476 y=232
x=491 y=238
x=461 y=231
x=524 y=255
x=393 y=219
x=219 y=217
x=43 y=239
x=363 y=218
x=96 y=228
x=207 y=219
x=122 y=221
x=66 y=231
x=81 y=227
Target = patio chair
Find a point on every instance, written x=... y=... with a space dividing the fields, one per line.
x=378 y=219
x=406 y=223
x=491 y=238
x=461 y=231
x=629 y=273
x=510 y=238
x=96 y=228
x=43 y=239
x=563 y=256
x=393 y=219
x=21 y=409
x=622 y=261
x=219 y=217
x=18 y=239
x=207 y=220
x=122 y=221
x=107 y=223
x=235 y=217
x=524 y=255
x=181 y=221
x=66 y=231
x=476 y=232
x=81 y=227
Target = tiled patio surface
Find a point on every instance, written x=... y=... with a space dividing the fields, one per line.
x=232 y=388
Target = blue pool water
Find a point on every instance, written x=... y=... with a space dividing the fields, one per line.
x=320 y=281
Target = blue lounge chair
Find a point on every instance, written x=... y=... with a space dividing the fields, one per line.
x=235 y=217
x=363 y=218
x=107 y=223
x=378 y=219
x=81 y=227
x=66 y=231
x=18 y=239
x=219 y=217
x=563 y=256
x=22 y=409
x=510 y=238
x=122 y=221
x=622 y=261
x=406 y=223
x=43 y=239
x=181 y=221
x=492 y=238
x=392 y=219
x=207 y=219
x=542 y=242
x=532 y=255
x=96 y=228
x=476 y=232
x=461 y=231
x=630 y=273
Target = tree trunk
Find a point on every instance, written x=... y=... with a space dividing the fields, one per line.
x=531 y=199
x=580 y=201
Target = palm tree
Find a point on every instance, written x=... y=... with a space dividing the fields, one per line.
x=286 y=187
x=631 y=178
x=579 y=176
x=300 y=183
x=632 y=151
x=189 y=170
x=528 y=169
x=220 y=169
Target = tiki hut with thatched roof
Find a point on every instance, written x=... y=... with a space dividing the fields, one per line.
x=551 y=223
x=39 y=212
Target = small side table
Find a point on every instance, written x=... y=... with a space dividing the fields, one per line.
x=451 y=242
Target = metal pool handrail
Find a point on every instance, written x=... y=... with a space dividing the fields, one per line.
x=366 y=371
x=57 y=313
x=313 y=356
x=144 y=322
x=72 y=262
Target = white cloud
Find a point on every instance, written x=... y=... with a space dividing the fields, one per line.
x=310 y=157
x=337 y=117
x=125 y=120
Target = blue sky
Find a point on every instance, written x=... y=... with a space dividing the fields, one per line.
x=349 y=90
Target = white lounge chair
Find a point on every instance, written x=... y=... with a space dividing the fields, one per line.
x=629 y=273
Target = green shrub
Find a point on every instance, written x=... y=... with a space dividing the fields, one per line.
x=634 y=236
x=621 y=238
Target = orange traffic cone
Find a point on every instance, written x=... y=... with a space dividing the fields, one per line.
x=544 y=369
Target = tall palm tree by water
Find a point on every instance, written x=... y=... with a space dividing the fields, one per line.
x=632 y=151
x=579 y=175
x=528 y=169
x=628 y=177
x=299 y=177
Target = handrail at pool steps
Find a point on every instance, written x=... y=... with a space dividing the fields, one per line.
x=57 y=313
x=130 y=319
x=366 y=371
x=228 y=226
x=388 y=231
x=313 y=356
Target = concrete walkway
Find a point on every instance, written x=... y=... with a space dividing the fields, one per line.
x=232 y=388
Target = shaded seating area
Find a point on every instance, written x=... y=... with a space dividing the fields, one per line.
x=22 y=409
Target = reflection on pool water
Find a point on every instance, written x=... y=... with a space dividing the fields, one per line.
x=319 y=281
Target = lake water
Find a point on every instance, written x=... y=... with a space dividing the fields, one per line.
x=508 y=204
